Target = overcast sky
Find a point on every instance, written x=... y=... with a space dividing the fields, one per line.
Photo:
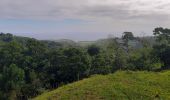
x=82 y=19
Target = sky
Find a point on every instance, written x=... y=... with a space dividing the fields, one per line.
x=82 y=19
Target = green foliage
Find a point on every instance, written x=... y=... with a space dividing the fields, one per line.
x=128 y=36
x=77 y=62
x=124 y=85
x=93 y=50
x=143 y=59
x=162 y=48
x=28 y=67
x=163 y=35
x=6 y=37
x=10 y=53
x=120 y=59
x=11 y=80
x=100 y=65
x=72 y=64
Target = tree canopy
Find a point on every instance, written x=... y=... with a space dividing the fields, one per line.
x=28 y=67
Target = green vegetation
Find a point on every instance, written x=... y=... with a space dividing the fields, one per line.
x=122 y=85
x=29 y=67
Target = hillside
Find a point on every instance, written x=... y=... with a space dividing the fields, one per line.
x=118 y=86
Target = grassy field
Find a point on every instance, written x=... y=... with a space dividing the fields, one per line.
x=122 y=85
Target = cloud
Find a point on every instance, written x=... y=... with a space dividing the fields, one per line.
x=82 y=9
x=97 y=15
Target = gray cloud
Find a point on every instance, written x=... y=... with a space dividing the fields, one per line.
x=83 y=9
x=101 y=15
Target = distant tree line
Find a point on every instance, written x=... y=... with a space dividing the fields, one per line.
x=29 y=67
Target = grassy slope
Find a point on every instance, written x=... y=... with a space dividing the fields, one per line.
x=118 y=86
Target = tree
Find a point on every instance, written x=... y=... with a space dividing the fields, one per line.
x=126 y=37
x=93 y=50
x=143 y=59
x=11 y=80
x=35 y=48
x=77 y=64
x=120 y=59
x=11 y=53
x=162 y=35
x=101 y=65
x=6 y=37
x=67 y=65
x=57 y=61
x=162 y=48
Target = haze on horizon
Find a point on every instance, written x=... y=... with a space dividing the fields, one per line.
x=82 y=19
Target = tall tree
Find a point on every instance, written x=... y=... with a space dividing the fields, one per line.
x=127 y=36
x=162 y=48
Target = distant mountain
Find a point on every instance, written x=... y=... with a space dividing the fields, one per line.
x=136 y=43
x=5 y=38
x=60 y=43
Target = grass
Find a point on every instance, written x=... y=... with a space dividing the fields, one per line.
x=122 y=85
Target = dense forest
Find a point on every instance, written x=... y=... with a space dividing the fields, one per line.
x=29 y=67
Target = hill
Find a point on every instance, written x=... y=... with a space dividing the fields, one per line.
x=8 y=37
x=122 y=85
x=64 y=43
